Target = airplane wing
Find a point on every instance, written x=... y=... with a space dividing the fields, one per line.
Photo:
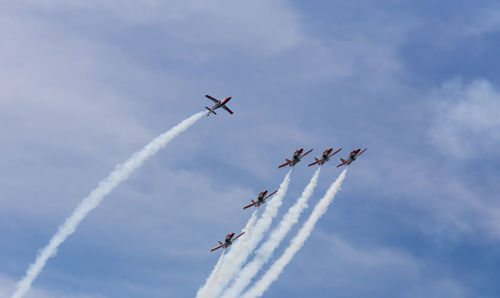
x=362 y=151
x=317 y=160
x=272 y=193
x=343 y=163
x=306 y=153
x=250 y=205
x=211 y=98
x=336 y=152
x=238 y=236
x=213 y=249
x=227 y=109
x=285 y=164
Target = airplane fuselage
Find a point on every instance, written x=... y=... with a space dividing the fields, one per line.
x=221 y=103
x=261 y=197
x=326 y=157
x=229 y=240
x=353 y=155
x=296 y=158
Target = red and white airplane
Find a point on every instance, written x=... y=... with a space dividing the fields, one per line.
x=261 y=199
x=297 y=156
x=327 y=154
x=228 y=241
x=218 y=104
x=352 y=157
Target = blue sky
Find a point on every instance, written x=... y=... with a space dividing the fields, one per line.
x=85 y=84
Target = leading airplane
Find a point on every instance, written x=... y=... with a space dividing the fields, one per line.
x=327 y=154
x=228 y=241
x=297 y=156
x=352 y=157
x=218 y=104
x=261 y=199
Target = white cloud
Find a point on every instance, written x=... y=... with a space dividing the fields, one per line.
x=7 y=286
x=467 y=120
x=263 y=26
x=380 y=271
x=487 y=20
x=52 y=78
x=451 y=205
x=56 y=111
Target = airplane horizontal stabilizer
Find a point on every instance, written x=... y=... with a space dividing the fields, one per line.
x=210 y=111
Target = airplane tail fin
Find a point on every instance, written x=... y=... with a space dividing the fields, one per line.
x=316 y=159
x=287 y=160
x=343 y=160
x=220 y=243
x=253 y=201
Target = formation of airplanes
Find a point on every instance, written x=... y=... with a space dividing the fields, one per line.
x=296 y=158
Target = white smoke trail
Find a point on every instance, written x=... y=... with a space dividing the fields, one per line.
x=238 y=257
x=264 y=253
x=207 y=287
x=216 y=268
x=247 y=229
x=121 y=173
x=274 y=272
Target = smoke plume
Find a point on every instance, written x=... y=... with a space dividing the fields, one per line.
x=297 y=242
x=121 y=173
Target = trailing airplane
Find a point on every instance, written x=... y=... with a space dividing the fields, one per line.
x=297 y=156
x=352 y=157
x=218 y=104
x=227 y=242
x=261 y=199
x=327 y=154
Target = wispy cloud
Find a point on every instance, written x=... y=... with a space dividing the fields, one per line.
x=467 y=119
x=7 y=286
x=196 y=22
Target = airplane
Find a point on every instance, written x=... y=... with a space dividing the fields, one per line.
x=352 y=157
x=327 y=154
x=218 y=104
x=297 y=156
x=261 y=199
x=227 y=242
